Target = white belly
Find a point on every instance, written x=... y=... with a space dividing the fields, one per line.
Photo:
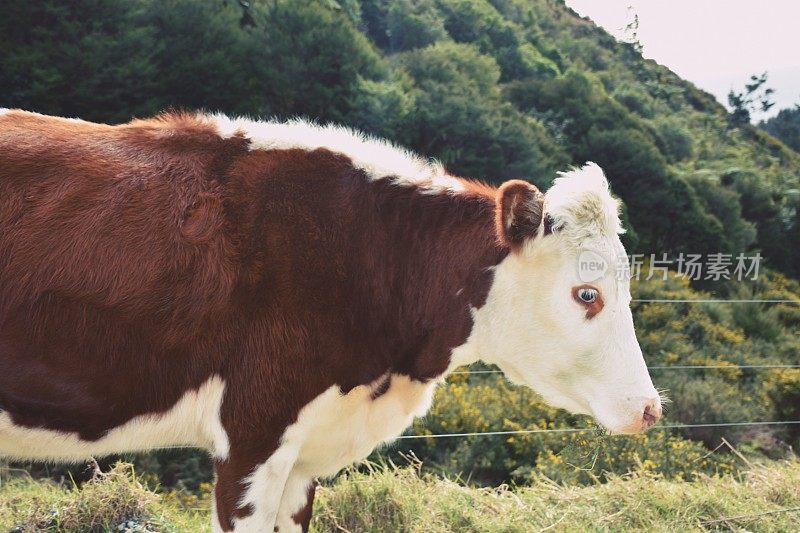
x=335 y=430
x=331 y=432
x=192 y=421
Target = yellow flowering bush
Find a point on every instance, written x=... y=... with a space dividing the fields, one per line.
x=488 y=403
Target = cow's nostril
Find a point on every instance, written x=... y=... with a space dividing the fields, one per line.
x=651 y=415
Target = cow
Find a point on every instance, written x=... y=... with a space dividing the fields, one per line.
x=287 y=296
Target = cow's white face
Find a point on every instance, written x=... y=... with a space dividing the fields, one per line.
x=557 y=317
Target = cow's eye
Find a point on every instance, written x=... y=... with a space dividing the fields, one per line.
x=587 y=295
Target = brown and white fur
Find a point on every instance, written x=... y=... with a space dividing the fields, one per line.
x=284 y=295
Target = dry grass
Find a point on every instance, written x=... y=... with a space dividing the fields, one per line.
x=115 y=500
x=389 y=499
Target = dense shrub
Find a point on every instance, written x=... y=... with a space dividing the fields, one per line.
x=784 y=392
x=785 y=126
x=725 y=205
x=461 y=118
x=636 y=100
x=413 y=24
x=676 y=139
x=478 y=22
x=492 y=404
x=639 y=174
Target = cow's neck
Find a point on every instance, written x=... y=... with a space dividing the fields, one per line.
x=437 y=267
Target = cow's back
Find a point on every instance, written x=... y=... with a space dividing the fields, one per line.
x=114 y=265
x=106 y=214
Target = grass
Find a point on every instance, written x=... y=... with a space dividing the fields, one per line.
x=386 y=499
x=112 y=501
x=399 y=500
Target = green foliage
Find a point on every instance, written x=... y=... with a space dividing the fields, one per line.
x=385 y=108
x=110 y=60
x=461 y=118
x=645 y=183
x=785 y=126
x=179 y=470
x=635 y=99
x=675 y=139
x=775 y=212
x=725 y=205
x=600 y=129
x=755 y=97
x=414 y=24
x=58 y=60
x=478 y=22
x=784 y=392
x=482 y=404
x=307 y=61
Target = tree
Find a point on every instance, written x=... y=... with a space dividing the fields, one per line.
x=785 y=126
x=755 y=97
x=461 y=117
x=478 y=22
x=108 y=60
x=631 y=31
x=413 y=24
x=86 y=58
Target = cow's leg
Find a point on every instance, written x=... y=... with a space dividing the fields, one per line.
x=294 y=514
x=248 y=491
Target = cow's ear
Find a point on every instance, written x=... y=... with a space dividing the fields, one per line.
x=518 y=213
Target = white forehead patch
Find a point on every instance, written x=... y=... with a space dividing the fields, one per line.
x=376 y=157
x=3 y=111
x=581 y=205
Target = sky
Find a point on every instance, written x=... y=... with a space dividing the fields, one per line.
x=716 y=44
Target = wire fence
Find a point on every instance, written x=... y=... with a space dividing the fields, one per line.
x=586 y=429
x=714 y=301
x=660 y=367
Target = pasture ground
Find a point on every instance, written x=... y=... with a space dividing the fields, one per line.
x=385 y=499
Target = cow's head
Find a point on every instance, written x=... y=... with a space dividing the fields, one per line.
x=557 y=316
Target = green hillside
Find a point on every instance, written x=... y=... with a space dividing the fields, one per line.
x=495 y=89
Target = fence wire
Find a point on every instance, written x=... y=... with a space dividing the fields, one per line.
x=579 y=430
x=660 y=367
x=715 y=300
